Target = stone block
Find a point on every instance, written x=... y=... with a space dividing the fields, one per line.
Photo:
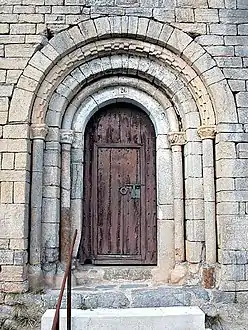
x=6 y=257
x=225 y=150
x=241 y=184
x=233 y=232
x=178 y=41
x=153 y=318
x=22 y=28
x=6 y=192
x=165 y=212
x=22 y=161
x=185 y=15
x=17 y=131
x=13 y=273
x=242 y=150
x=233 y=272
x=15 y=287
x=194 y=252
x=194 y=188
x=51 y=210
x=193 y=166
x=4 y=28
x=20 y=257
x=51 y=176
x=231 y=168
x=237 y=86
x=88 y=30
x=193 y=148
x=24 y=98
x=4 y=104
x=164 y=177
x=227 y=208
x=206 y=15
x=12 y=76
x=242 y=99
x=50 y=237
x=21 y=192
x=18 y=244
x=7 y=161
x=193 y=3
x=14 y=175
x=13 y=221
x=4 y=244
x=30 y=18
x=195 y=230
x=14 y=145
x=194 y=209
x=154 y=31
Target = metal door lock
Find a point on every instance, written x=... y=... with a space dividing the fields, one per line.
x=135 y=190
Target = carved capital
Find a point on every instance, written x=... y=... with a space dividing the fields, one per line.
x=177 y=138
x=66 y=136
x=39 y=131
x=207 y=132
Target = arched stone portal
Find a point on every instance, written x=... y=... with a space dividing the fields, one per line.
x=168 y=75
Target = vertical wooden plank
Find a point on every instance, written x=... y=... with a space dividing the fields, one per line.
x=116 y=182
x=131 y=210
x=103 y=199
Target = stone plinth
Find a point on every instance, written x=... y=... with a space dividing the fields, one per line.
x=170 y=318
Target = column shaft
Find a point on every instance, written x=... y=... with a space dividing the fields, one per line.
x=207 y=134
x=38 y=134
x=177 y=139
x=65 y=238
x=209 y=201
x=178 y=203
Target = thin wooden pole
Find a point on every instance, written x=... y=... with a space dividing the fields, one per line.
x=55 y=325
x=69 y=299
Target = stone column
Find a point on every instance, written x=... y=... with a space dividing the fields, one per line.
x=77 y=188
x=177 y=140
x=38 y=134
x=66 y=139
x=207 y=134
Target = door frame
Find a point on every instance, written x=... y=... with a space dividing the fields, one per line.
x=146 y=221
x=164 y=120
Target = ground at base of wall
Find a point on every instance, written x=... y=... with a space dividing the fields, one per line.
x=223 y=312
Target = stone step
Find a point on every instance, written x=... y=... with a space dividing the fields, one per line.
x=131 y=295
x=169 y=318
x=90 y=274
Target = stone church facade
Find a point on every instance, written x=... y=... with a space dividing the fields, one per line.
x=182 y=65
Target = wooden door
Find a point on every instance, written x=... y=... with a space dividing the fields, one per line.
x=119 y=208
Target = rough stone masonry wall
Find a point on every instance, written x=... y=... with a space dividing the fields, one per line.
x=220 y=26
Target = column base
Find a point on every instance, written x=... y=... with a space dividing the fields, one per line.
x=35 y=278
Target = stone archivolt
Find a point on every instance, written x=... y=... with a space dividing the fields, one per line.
x=164 y=58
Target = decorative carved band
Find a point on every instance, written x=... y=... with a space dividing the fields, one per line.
x=66 y=136
x=39 y=131
x=105 y=48
x=207 y=132
x=177 y=138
